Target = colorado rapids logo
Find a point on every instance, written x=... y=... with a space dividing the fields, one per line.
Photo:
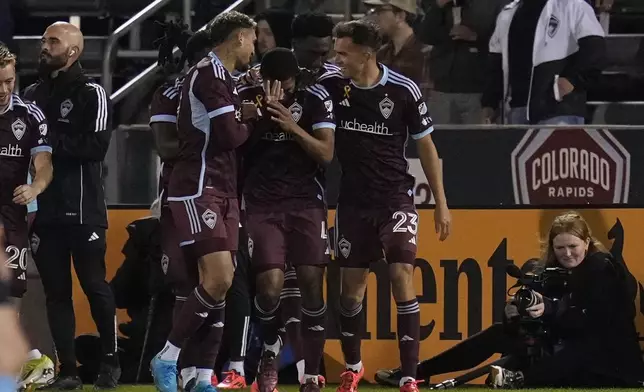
x=345 y=247
x=296 y=111
x=165 y=261
x=386 y=107
x=18 y=128
x=66 y=107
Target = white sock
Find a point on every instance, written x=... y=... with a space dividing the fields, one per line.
x=204 y=375
x=169 y=353
x=274 y=348
x=237 y=366
x=308 y=377
x=300 y=371
x=33 y=354
x=355 y=368
x=405 y=380
x=188 y=374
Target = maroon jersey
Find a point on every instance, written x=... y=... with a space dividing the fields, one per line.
x=210 y=129
x=23 y=133
x=371 y=137
x=163 y=109
x=279 y=174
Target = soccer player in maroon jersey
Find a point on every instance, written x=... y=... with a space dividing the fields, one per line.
x=286 y=207
x=203 y=192
x=163 y=122
x=23 y=140
x=376 y=110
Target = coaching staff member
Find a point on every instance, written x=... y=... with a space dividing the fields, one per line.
x=72 y=217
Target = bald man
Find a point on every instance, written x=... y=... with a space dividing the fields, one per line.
x=72 y=219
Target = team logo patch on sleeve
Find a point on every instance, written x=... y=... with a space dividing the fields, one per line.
x=553 y=26
x=43 y=129
x=328 y=104
x=422 y=108
x=18 y=128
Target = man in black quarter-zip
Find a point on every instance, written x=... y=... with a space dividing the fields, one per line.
x=544 y=54
x=72 y=217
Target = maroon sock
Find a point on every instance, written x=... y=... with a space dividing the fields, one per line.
x=351 y=327
x=408 y=336
x=291 y=313
x=193 y=314
x=314 y=334
x=269 y=321
x=211 y=331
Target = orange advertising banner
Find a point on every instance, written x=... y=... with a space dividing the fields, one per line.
x=461 y=283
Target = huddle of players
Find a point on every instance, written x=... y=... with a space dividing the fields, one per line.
x=267 y=142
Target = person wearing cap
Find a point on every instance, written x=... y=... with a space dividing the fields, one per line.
x=273 y=30
x=459 y=32
x=404 y=49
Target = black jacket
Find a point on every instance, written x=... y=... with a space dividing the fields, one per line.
x=458 y=66
x=78 y=111
x=568 y=42
x=597 y=319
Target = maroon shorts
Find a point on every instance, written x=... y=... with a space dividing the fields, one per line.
x=277 y=239
x=362 y=235
x=17 y=246
x=207 y=224
x=181 y=273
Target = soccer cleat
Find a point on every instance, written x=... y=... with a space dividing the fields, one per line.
x=66 y=383
x=388 y=377
x=321 y=381
x=37 y=373
x=233 y=380
x=501 y=378
x=108 y=377
x=310 y=386
x=204 y=386
x=164 y=374
x=267 y=376
x=410 y=386
x=255 y=388
x=349 y=380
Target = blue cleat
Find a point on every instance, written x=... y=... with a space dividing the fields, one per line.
x=204 y=387
x=164 y=374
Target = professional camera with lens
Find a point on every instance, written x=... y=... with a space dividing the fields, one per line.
x=551 y=281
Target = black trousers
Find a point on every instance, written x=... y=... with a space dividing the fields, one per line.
x=53 y=246
x=238 y=308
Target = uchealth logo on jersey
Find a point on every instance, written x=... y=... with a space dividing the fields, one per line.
x=570 y=166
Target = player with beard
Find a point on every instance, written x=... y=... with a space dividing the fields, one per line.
x=23 y=140
x=286 y=207
x=202 y=193
x=376 y=110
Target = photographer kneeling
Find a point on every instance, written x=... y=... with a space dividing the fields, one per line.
x=593 y=320
x=573 y=327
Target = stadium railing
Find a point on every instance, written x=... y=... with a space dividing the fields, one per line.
x=148 y=72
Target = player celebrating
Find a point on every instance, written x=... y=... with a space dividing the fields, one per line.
x=376 y=110
x=285 y=207
x=23 y=138
x=203 y=192
x=163 y=121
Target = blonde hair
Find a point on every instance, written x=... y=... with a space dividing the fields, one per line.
x=6 y=57
x=573 y=223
